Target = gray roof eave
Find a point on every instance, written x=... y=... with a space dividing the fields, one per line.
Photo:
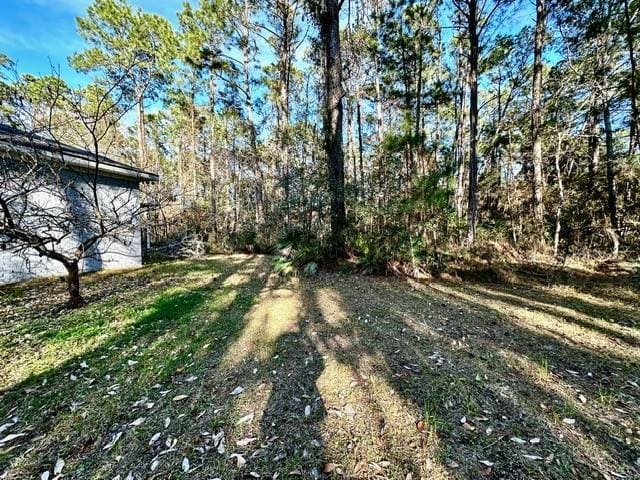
x=82 y=163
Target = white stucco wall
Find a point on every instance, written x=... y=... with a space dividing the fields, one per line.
x=124 y=252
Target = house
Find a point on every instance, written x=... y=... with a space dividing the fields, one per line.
x=53 y=189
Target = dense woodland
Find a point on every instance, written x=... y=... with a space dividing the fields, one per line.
x=383 y=130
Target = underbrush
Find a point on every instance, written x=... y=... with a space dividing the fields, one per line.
x=302 y=260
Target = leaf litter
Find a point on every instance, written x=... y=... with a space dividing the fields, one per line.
x=515 y=426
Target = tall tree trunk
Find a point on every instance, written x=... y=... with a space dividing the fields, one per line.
x=360 y=147
x=461 y=117
x=285 y=54
x=418 y=122
x=474 y=48
x=194 y=149
x=611 y=180
x=212 y=160
x=246 y=67
x=377 y=11
x=634 y=124
x=556 y=236
x=440 y=80
x=351 y=142
x=536 y=118
x=379 y=112
x=73 y=285
x=180 y=173
x=142 y=134
x=594 y=145
x=329 y=20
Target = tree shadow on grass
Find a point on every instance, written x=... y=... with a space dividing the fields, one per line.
x=292 y=418
x=370 y=357
x=463 y=369
x=73 y=410
x=617 y=301
x=264 y=423
x=368 y=431
x=581 y=314
x=39 y=310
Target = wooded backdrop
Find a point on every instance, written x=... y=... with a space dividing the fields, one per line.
x=388 y=130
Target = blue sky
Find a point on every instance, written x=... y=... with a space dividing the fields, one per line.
x=38 y=33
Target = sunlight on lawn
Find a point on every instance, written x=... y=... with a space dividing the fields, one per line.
x=329 y=376
x=277 y=312
x=97 y=326
x=553 y=324
x=362 y=404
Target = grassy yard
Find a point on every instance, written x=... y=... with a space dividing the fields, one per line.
x=216 y=368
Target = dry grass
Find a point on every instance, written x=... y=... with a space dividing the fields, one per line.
x=341 y=376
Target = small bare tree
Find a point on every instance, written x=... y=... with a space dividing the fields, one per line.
x=51 y=202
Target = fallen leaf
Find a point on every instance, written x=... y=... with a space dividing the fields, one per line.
x=534 y=440
x=569 y=421
x=237 y=391
x=154 y=438
x=177 y=398
x=138 y=421
x=113 y=441
x=245 y=419
x=44 y=475
x=11 y=437
x=518 y=440
x=58 y=467
x=328 y=467
x=5 y=426
x=240 y=461
x=487 y=463
x=307 y=410
x=220 y=441
x=155 y=464
x=185 y=465
x=171 y=442
x=245 y=441
x=533 y=457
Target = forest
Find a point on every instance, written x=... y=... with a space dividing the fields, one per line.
x=396 y=133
